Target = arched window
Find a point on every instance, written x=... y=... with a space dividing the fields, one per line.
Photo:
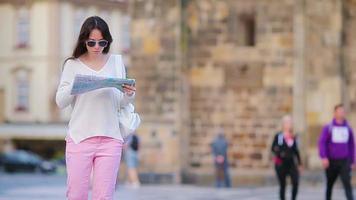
x=23 y=27
x=22 y=90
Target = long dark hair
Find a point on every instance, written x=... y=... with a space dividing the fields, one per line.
x=90 y=24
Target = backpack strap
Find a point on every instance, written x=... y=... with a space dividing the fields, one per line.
x=280 y=139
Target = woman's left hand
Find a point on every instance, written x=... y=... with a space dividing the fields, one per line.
x=129 y=90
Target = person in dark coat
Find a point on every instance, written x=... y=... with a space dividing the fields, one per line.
x=286 y=157
x=219 y=149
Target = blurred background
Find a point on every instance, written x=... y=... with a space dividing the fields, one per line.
x=201 y=66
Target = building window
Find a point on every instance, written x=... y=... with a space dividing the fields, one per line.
x=22 y=90
x=248 y=29
x=242 y=29
x=23 y=28
x=79 y=17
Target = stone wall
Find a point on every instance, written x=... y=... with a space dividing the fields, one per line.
x=234 y=65
x=240 y=67
x=156 y=67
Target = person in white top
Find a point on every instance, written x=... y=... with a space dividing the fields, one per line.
x=93 y=142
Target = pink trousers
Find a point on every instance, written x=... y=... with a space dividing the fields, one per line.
x=98 y=155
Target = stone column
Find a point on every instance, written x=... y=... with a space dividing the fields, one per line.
x=183 y=123
x=342 y=56
x=156 y=64
x=299 y=94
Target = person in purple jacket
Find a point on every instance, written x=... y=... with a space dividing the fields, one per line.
x=336 y=149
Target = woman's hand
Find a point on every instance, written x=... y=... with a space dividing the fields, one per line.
x=129 y=90
x=300 y=169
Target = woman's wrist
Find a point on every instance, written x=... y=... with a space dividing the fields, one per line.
x=129 y=94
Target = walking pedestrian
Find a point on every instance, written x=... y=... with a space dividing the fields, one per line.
x=286 y=157
x=93 y=142
x=336 y=150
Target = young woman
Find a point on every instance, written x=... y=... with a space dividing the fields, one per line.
x=286 y=157
x=93 y=143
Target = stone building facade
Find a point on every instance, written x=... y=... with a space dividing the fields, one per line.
x=203 y=66
x=239 y=66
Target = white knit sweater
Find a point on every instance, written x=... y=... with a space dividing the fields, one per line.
x=95 y=113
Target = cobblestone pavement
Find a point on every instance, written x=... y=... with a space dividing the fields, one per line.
x=38 y=187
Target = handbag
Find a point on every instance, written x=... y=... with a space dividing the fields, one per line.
x=129 y=121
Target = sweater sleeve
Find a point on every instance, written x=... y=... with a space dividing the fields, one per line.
x=63 y=96
x=323 y=142
x=127 y=98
